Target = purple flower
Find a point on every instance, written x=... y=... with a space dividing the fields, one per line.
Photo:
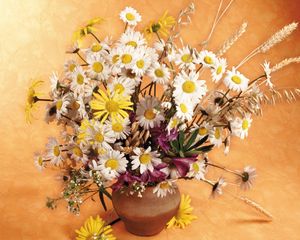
x=183 y=164
x=161 y=136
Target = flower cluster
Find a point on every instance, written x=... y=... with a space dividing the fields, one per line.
x=136 y=114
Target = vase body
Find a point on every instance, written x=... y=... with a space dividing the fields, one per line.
x=146 y=215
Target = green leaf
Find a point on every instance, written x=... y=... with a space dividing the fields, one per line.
x=181 y=139
x=199 y=143
x=101 y=196
x=191 y=140
x=175 y=145
x=205 y=148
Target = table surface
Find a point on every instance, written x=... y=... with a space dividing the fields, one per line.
x=34 y=35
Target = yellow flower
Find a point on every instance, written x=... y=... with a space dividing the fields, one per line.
x=32 y=98
x=113 y=105
x=161 y=27
x=95 y=229
x=184 y=215
x=87 y=29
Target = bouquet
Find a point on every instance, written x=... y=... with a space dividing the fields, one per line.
x=136 y=112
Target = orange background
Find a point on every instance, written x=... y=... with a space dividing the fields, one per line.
x=34 y=36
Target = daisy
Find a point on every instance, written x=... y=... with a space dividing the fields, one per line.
x=54 y=82
x=165 y=187
x=120 y=129
x=145 y=159
x=122 y=86
x=203 y=130
x=148 y=112
x=184 y=110
x=112 y=164
x=99 y=136
x=185 y=58
x=132 y=38
x=130 y=16
x=81 y=108
x=247 y=178
x=97 y=67
x=267 y=70
x=141 y=62
x=215 y=136
x=219 y=69
x=217 y=188
x=128 y=74
x=70 y=67
x=240 y=126
x=207 y=59
x=234 y=80
x=114 y=60
x=39 y=161
x=127 y=53
x=159 y=73
x=54 y=152
x=173 y=123
x=197 y=170
x=187 y=86
x=62 y=105
x=98 y=49
x=79 y=81
x=78 y=152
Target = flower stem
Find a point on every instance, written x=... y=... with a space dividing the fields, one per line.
x=223 y=168
x=98 y=40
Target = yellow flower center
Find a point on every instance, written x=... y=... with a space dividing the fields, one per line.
x=40 y=161
x=99 y=137
x=130 y=16
x=115 y=58
x=187 y=58
x=72 y=67
x=119 y=88
x=96 y=48
x=183 y=108
x=145 y=158
x=245 y=124
x=202 y=131
x=208 y=60
x=159 y=73
x=59 y=104
x=80 y=79
x=217 y=133
x=97 y=67
x=219 y=70
x=196 y=167
x=117 y=127
x=164 y=185
x=149 y=114
x=77 y=151
x=236 y=79
x=126 y=58
x=132 y=43
x=188 y=86
x=56 y=151
x=30 y=97
x=174 y=123
x=140 y=63
x=112 y=106
x=112 y=164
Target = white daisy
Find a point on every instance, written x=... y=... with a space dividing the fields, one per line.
x=184 y=110
x=187 y=86
x=148 y=112
x=240 y=126
x=120 y=129
x=197 y=170
x=132 y=38
x=54 y=152
x=124 y=86
x=79 y=81
x=128 y=74
x=112 y=164
x=141 y=61
x=97 y=67
x=70 y=67
x=247 y=179
x=173 y=123
x=145 y=159
x=215 y=136
x=159 y=73
x=62 y=105
x=207 y=59
x=78 y=152
x=97 y=49
x=165 y=187
x=236 y=81
x=185 y=58
x=54 y=82
x=130 y=16
x=203 y=130
x=127 y=54
x=267 y=70
x=114 y=60
x=81 y=107
x=39 y=161
x=219 y=69
x=217 y=188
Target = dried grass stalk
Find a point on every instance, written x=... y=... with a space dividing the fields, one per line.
x=284 y=63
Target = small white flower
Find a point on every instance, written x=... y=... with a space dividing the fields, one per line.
x=39 y=161
x=112 y=164
x=127 y=54
x=236 y=81
x=166 y=105
x=159 y=73
x=81 y=109
x=247 y=179
x=173 y=123
x=203 y=130
x=197 y=170
x=219 y=69
x=120 y=129
x=267 y=70
x=54 y=82
x=240 y=126
x=79 y=81
x=207 y=59
x=165 y=187
x=128 y=74
x=132 y=38
x=215 y=136
x=148 y=112
x=141 y=61
x=61 y=105
x=185 y=58
x=124 y=86
x=217 y=188
x=78 y=152
x=97 y=67
x=54 y=152
x=70 y=67
x=98 y=49
x=130 y=16
x=145 y=159
x=184 y=110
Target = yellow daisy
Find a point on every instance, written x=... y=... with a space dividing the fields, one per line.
x=95 y=229
x=32 y=98
x=184 y=215
x=110 y=105
x=87 y=29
